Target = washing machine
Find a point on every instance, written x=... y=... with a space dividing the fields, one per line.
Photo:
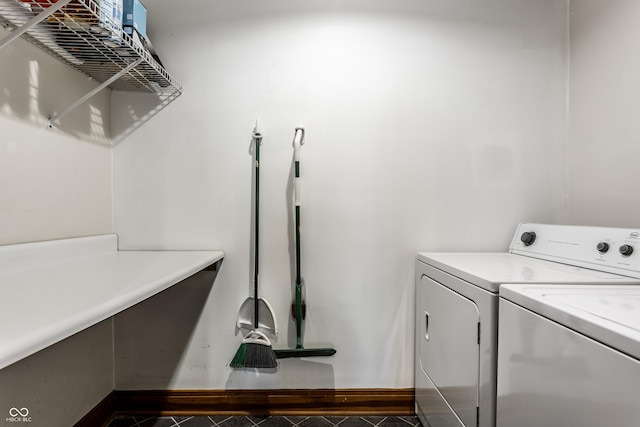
x=569 y=356
x=457 y=309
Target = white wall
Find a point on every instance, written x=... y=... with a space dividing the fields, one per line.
x=55 y=184
x=604 y=137
x=430 y=126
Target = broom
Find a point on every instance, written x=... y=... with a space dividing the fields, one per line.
x=255 y=351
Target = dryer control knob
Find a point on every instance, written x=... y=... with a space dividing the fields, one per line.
x=626 y=250
x=603 y=247
x=528 y=238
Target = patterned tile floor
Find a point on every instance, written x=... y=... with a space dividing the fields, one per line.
x=272 y=421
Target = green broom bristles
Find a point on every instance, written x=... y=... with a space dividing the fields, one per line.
x=255 y=352
x=260 y=356
x=238 y=359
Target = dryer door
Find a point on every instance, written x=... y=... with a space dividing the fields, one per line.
x=450 y=350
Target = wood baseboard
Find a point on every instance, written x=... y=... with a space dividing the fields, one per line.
x=268 y=402
x=101 y=414
x=252 y=402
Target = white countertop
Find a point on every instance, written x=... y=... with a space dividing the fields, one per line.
x=52 y=290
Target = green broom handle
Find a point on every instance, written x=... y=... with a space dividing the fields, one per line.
x=258 y=140
x=297 y=143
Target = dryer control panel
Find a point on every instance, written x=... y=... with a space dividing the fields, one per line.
x=610 y=249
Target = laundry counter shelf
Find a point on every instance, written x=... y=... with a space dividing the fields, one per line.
x=54 y=289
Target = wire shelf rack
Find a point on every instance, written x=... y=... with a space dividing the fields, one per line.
x=77 y=33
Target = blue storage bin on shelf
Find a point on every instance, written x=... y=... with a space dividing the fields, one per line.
x=134 y=17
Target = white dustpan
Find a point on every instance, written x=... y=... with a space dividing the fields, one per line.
x=249 y=310
x=266 y=320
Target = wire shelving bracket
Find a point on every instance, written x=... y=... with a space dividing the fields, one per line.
x=77 y=33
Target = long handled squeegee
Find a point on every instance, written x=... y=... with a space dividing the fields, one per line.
x=299 y=305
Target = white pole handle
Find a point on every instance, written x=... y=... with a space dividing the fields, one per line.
x=298 y=140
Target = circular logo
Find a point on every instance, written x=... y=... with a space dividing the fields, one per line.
x=14 y=412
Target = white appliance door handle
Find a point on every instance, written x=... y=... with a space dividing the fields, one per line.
x=426 y=325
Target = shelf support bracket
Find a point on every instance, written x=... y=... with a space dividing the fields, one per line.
x=103 y=85
x=33 y=22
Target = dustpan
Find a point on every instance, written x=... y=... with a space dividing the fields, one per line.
x=266 y=320
x=251 y=315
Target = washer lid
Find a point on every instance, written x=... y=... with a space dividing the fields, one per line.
x=489 y=270
x=609 y=314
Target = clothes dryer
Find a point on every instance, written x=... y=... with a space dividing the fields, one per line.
x=457 y=309
x=568 y=356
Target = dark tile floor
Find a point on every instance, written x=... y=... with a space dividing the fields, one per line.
x=272 y=421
